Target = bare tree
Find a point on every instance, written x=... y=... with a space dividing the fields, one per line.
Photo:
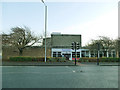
x=105 y=44
x=20 y=37
x=117 y=46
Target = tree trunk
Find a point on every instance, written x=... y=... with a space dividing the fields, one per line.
x=20 y=52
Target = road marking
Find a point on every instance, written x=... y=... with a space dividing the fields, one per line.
x=73 y=71
x=70 y=69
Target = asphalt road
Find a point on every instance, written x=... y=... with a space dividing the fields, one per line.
x=60 y=76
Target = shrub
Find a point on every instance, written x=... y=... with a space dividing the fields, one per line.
x=20 y=59
x=110 y=59
x=62 y=59
x=52 y=59
x=103 y=59
x=57 y=59
x=87 y=59
x=27 y=58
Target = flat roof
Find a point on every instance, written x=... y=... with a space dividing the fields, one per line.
x=66 y=34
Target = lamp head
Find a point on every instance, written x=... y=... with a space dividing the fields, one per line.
x=42 y=1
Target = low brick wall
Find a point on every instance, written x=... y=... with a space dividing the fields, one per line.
x=33 y=52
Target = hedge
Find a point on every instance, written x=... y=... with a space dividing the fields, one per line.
x=110 y=59
x=49 y=59
x=63 y=59
x=94 y=59
x=57 y=59
x=27 y=58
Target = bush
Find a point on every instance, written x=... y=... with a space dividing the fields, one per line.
x=57 y=59
x=110 y=59
x=27 y=58
x=20 y=59
x=52 y=59
x=62 y=59
x=87 y=59
x=94 y=59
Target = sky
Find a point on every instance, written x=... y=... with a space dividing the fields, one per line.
x=89 y=18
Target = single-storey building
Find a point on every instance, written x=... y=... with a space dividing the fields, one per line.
x=60 y=45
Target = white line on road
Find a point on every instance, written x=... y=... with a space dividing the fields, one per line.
x=70 y=69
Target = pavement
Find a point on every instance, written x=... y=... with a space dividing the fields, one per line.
x=68 y=63
x=101 y=63
x=80 y=76
x=37 y=63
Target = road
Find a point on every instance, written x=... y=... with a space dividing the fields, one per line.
x=60 y=76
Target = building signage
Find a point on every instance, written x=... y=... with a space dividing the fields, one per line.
x=66 y=50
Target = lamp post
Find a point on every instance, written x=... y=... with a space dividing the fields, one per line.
x=45 y=25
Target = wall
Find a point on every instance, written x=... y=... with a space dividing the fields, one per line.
x=33 y=52
x=64 y=40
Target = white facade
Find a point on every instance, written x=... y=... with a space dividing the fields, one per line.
x=70 y=54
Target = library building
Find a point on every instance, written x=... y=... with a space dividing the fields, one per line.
x=60 y=45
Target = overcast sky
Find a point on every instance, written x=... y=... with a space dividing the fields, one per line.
x=90 y=18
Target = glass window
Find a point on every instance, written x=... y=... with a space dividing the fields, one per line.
x=78 y=54
x=73 y=54
x=87 y=53
x=54 y=54
x=113 y=53
x=59 y=54
x=83 y=53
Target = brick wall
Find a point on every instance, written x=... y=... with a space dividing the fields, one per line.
x=33 y=52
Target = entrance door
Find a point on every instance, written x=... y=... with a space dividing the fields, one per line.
x=67 y=56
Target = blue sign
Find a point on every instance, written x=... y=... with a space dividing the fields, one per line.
x=66 y=50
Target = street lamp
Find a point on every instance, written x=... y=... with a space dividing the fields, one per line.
x=45 y=25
